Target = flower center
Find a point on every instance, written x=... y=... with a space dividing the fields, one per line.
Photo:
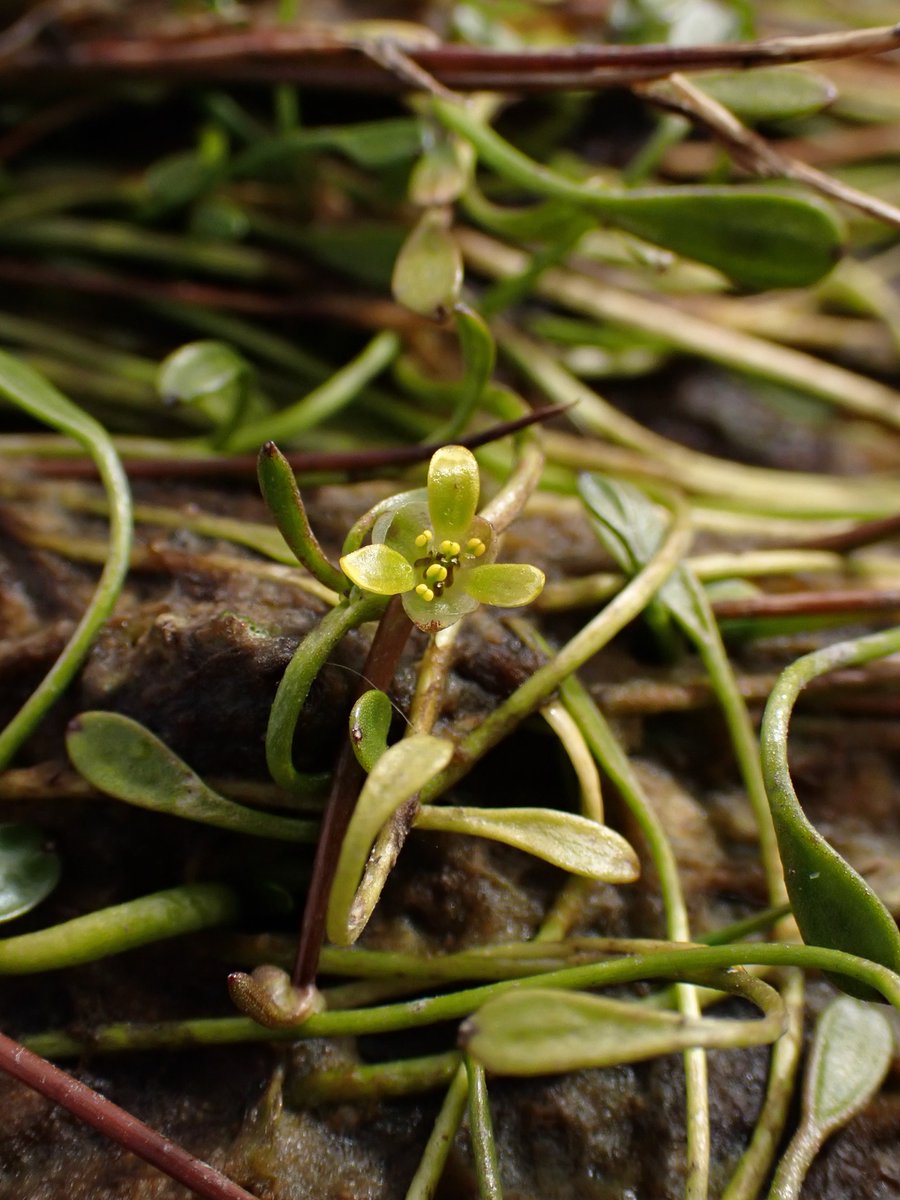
x=439 y=562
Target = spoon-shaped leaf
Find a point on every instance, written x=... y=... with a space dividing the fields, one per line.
x=213 y=377
x=397 y=776
x=536 y=1031
x=833 y=905
x=851 y=1054
x=762 y=239
x=28 y=870
x=122 y=758
x=428 y=271
x=567 y=840
x=770 y=93
x=370 y=723
x=758 y=236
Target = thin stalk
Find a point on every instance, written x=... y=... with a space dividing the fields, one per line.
x=428 y=1173
x=481 y=1131
x=584 y=645
x=41 y=400
x=329 y=398
x=115 y=1123
x=387 y=645
x=107 y=931
x=693 y=964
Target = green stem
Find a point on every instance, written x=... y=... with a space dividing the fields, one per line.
x=122 y=927
x=584 y=645
x=408 y=1076
x=301 y=672
x=428 y=1173
x=29 y=391
x=329 y=398
x=481 y=1131
x=692 y=964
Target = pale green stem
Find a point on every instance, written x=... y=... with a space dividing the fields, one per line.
x=329 y=398
x=109 y=931
x=847 y=391
x=481 y=1131
x=756 y=1161
x=43 y=402
x=584 y=645
x=692 y=964
x=301 y=672
x=428 y=1173
x=643 y=452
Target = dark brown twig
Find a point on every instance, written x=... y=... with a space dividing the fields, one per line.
x=242 y=465
x=98 y=1112
x=795 y=604
x=319 y=56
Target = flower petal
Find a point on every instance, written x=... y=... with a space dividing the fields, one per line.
x=453 y=487
x=379 y=569
x=431 y=616
x=508 y=585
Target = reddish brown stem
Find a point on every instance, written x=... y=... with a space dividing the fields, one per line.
x=324 y=58
x=95 y=1110
x=391 y=636
x=242 y=465
x=833 y=601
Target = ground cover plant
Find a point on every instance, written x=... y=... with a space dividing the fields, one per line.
x=440 y=452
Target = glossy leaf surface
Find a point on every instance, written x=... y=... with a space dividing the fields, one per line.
x=567 y=840
x=428 y=271
x=28 y=870
x=124 y=759
x=396 y=777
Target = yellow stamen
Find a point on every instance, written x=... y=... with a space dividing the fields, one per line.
x=436 y=571
x=425 y=592
x=424 y=537
x=476 y=546
x=450 y=548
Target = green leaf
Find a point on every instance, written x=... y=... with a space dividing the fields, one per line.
x=396 y=777
x=566 y=840
x=442 y=173
x=479 y=352
x=368 y=143
x=28 y=870
x=506 y=585
x=428 y=272
x=852 y=1051
x=768 y=93
x=278 y=485
x=370 y=724
x=538 y=1031
x=453 y=488
x=759 y=238
x=213 y=377
x=379 y=569
x=123 y=759
x=851 y=1054
x=833 y=905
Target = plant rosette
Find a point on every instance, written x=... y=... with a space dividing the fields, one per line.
x=437 y=554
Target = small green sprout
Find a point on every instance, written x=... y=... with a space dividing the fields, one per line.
x=438 y=554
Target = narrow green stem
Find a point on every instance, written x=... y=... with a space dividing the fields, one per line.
x=326 y=400
x=691 y=964
x=29 y=391
x=586 y=643
x=481 y=1131
x=109 y=931
x=301 y=672
x=428 y=1173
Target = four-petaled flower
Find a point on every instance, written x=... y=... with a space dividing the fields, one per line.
x=438 y=554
